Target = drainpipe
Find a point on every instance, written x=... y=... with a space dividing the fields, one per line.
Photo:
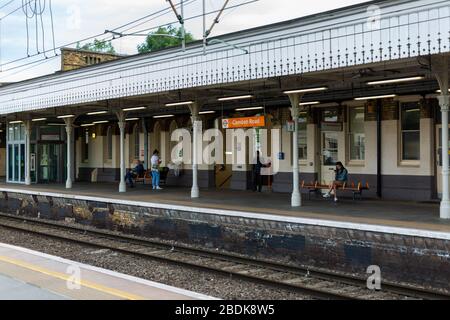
x=145 y=144
x=379 y=155
x=27 y=152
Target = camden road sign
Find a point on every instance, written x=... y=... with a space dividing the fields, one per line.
x=248 y=122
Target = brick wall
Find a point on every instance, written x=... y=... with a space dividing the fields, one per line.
x=72 y=59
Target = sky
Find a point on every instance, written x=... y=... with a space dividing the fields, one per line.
x=74 y=20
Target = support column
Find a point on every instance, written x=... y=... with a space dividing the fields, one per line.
x=296 y=200
x=440 y=67
x=69 y=131
x=123 y=184
x=28 y=152
x=445 y=203
x=196 y=132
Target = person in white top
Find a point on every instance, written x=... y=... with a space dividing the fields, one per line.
x=155 y=162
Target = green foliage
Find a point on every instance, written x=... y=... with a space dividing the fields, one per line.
x=157 y=41
x=98 y=46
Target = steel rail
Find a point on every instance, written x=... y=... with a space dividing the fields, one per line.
x=300 y=271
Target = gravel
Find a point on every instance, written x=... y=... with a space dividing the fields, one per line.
x=202 y=282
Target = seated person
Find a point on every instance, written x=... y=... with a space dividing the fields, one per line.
x=137 y=171
x=340 y=179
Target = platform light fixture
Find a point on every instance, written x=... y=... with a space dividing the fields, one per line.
x=398 y=80
x=134 y=109
x=100 y=122
x=95 y=113
x=244 y=97
x=56 y=124
x=249 y=109
x=16 y=122
x=87 y=125
x=376 y=97
x=164 y=116
x=207 y=112
x=440 y=91
x=182 y=103
x=132 y=119
x=306 y=90
x=38 y=119
x=309 y=103
x=67 y=116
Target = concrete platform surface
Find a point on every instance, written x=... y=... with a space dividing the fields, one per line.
x=31 y=275
x=412 y=215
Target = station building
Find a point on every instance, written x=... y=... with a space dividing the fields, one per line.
x=366 y=85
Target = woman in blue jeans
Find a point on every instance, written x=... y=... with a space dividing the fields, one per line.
x=155 y=162
x=341 y=178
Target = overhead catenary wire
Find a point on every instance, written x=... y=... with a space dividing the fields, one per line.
x=7 y=4
x=112 y=38
x=79 y=40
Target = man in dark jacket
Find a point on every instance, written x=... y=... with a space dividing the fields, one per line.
x=256 y=172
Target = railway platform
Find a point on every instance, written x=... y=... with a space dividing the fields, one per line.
x=408 y=241
x=275 y=206
x=31 y=275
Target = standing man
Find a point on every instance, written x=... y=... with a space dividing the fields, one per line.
x=257 y=178
x=155 y=162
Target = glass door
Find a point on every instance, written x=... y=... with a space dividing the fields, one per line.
x=16 y=162
x=51 y=163
x=329 y=156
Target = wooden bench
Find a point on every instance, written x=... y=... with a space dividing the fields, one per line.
x=146 y=177
x=356 y=189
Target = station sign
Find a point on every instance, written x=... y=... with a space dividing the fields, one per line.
x=247 y=122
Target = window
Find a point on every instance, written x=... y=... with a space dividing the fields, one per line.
x=357 y=134
x=410 y=131
x=302 y=137
x=135 y=143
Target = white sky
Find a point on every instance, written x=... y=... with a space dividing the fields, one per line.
x=78 y=19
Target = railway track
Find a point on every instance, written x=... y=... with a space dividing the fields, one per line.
x=318 y=284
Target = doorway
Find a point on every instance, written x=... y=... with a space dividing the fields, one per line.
x=330 y=147
x=52 y=164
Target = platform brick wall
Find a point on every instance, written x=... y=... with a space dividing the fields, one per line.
x=415 y=260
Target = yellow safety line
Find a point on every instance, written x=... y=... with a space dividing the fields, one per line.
x=62 y=276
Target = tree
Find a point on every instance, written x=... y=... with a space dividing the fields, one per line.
x=157 y=41
x=98 y=46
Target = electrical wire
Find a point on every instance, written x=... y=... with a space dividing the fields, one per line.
x=115 y=29
x=6 y=4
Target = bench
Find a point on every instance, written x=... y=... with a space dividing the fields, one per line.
x=356 y=189
x=146 y=177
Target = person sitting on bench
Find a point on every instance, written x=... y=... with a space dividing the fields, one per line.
x=340 y=179
x=138 y=171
